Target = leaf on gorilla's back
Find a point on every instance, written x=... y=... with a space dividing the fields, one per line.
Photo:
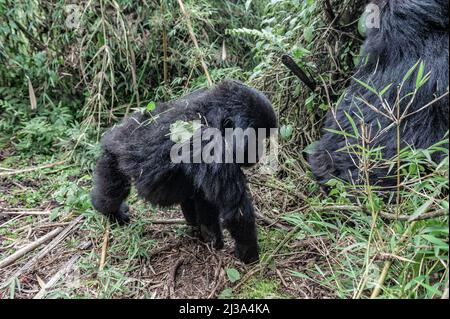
x=151 y=106
x=182 y=131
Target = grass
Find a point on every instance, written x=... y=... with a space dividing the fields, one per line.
x=338 y=250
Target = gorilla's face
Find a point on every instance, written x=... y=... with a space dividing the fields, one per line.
x=251 y=118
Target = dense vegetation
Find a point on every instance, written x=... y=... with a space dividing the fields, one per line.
x=68 y=73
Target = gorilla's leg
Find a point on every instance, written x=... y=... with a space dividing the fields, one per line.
x=188 y=209
x=209 y=222
x=241 y=225
x=111 y=188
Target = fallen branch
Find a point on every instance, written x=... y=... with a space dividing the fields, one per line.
x=438 y=213
x=270 y=221
x=33 y=261
x=23 y=251
x=179 y=221
x=66 y=268
x=30 y=169
x=25 y=213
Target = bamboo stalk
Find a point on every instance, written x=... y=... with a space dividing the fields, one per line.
x=194 y=40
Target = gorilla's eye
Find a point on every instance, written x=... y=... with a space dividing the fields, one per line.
x=227 y=123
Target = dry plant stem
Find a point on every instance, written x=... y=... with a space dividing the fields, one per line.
x=387 y=265
x=65 y=269
x=23 y=251
x=104 y=248
x=179 y=221
x=270 y=221
x=218 y=277
x=30 y=169
x=41 y=254
x=194 y=40
x=288 y=238
x=165 y=47
x=27 y=213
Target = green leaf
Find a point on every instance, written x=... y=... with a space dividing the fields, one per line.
x=310 y=148
x=226 y=294
x=410 y=71
x=362 y=24
x=383 y=91
x=422 y=209
x=182 y=131
x=352 y=123
x=436 y=241
x=286 y=132
x=367 y=86
x=308 y=34
x=233 y=274
x=151 y=106
x=420 y=74
x=340 y=133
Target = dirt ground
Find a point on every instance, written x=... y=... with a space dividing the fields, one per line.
x=85 y=257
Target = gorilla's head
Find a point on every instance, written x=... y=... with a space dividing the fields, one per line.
x=234 y=108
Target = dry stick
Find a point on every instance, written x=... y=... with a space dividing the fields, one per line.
x=291 y=65
x=169 y=221
x=104 y=248
x=33 y=261
x=387 y=265
x=31 y=169
x=24 y=213
x=194 y=40
x=173 y=275
x=218 y=280
x=438 y=213
x=66 y=268
x=270 y=221
x=23 y=251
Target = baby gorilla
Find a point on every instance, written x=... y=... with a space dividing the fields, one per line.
x=213 y=194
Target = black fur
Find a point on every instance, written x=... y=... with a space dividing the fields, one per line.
x=410 y=30
x=138 y=152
